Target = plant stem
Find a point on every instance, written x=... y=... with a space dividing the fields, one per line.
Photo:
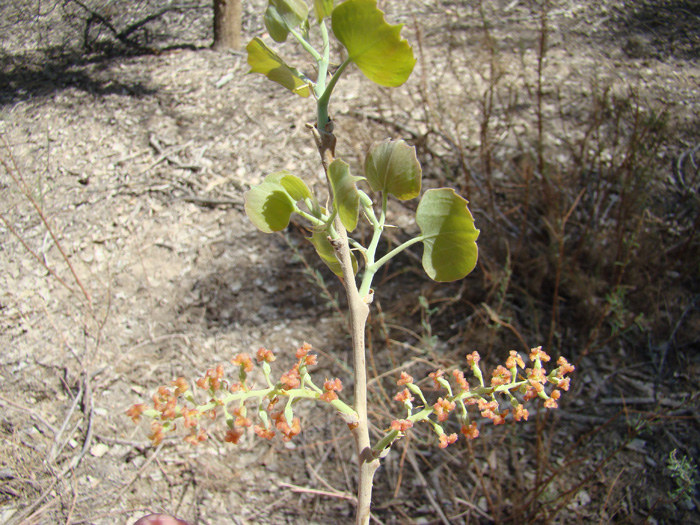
x=374 y=267
x=323 y=101
x=309 y=48
x=323 y=63
x=359 y=311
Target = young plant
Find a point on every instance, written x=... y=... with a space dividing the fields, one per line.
x=447 y=233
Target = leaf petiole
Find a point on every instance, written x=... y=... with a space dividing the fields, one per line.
x=306 y=45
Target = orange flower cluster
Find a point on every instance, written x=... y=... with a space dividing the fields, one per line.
x=330 y=388
x=401 y=425
x=442 y=409
x=404 y=396
x=291 y=379
x=167 y=406
x=165 y=410
x=288 y=431
x=212 y=379
x=505 y=380
x=445 y=440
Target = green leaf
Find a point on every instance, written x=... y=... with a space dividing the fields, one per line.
x=375 y=46
x=283 y=15
x=450 y=250
x=295 y=187
x=392 y=166
x=322 y=9
x=269 y=207
x=346 y=198
x=327 y=254
x=265 y=61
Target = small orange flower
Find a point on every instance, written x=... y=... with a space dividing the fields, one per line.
x=501 y=376
x=536 y=385
x=241 y=419
x=328 y=396
x=311 y=360
x=473 y=358
x=190 y=415
x=538 y=352
x=291 y=379
x=157 y=434
x=471 y=431
x=520 y=413
x=488 y=409
x=164 y=392
x=331 y=387
x=233 y=435
x=515 y=360
x=180 y=385
x=404 y=396
x=564 y=367
x=168 y=411
x=564 y=384
x=243 y=360
x=263 y=354
x=303 y=350
x=550 y=403
x=160 y=398
x=288 y=432
x=264 y=433
x=135 y=412
x=487 y=405
x=461 y=381
x=196 y=438
x=435 y=375
x=401 y=425
x=500 y=419
x=405 y=379
x=442 y=408
x=447 y=440
x=536 y=374
x=212 y=378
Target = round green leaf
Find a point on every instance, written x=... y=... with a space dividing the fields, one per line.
x=283 y=15
x=275 y=25
x=269 y=207
x=449 y=246
x=346 y=198
x=392 y=166
x=375 y=46
x=265 y=61
x=327 y=254
x=295 y=187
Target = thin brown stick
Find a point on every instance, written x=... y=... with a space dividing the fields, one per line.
x=22 y=185
x=327 y=493
x=31 y=412
x=40 y=260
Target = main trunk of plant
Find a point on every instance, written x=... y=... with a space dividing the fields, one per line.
x=358 y=306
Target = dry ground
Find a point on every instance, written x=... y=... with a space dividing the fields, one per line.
x=138 y=160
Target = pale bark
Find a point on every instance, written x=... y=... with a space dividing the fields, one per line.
x=227 y=24
x=359 y=311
